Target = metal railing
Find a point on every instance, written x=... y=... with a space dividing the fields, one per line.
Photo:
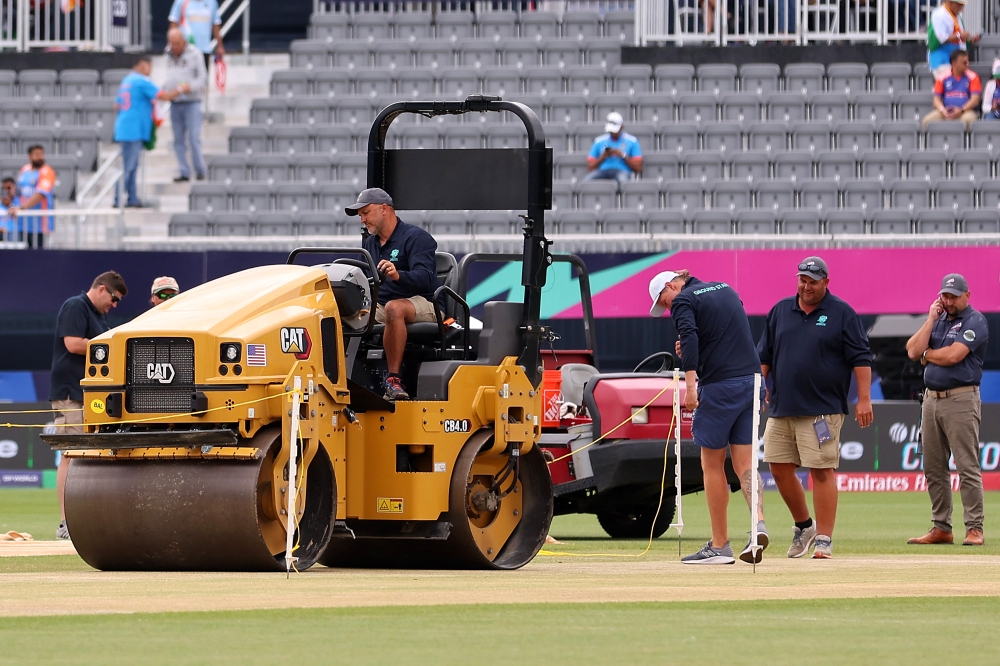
x=91 y=25
x=242 y=11
x=800 y=22
x=96 y=228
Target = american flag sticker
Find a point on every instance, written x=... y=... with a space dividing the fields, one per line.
x=257 y=355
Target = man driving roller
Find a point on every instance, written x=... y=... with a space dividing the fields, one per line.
x=404 y=255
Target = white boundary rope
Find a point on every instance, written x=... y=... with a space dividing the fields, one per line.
x=754 y=486
x=293 y=450
x=679 y=524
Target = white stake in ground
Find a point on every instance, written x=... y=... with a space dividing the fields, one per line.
x=679 y=524
x=754 y=485
x=293 y=451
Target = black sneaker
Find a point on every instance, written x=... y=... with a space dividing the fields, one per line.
x=181 y=179
x=394 y=389
x=200 y=176
x=710 y=555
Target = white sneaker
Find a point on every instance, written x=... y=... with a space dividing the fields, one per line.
x=824 y=548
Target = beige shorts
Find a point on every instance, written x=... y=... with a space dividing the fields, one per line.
x=68 y=422
x=425 y=310
x=792 y=439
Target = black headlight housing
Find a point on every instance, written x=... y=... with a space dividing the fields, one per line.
x=230 y=352
x=99 y=354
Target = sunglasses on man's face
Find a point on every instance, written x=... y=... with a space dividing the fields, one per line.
x=115 y=298
x=163 y=295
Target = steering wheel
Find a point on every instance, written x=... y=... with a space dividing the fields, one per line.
x=665 y=365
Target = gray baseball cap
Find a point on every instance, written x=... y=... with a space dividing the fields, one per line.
x=954 y=284
x=813 y=267
x=373 y=195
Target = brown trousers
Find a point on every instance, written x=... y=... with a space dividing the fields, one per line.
x=951 y=427
x=934 y=116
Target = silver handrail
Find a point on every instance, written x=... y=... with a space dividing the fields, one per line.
x=90 y=184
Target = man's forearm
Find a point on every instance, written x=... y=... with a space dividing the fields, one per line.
x=916 y=345
x=863 y=375
x=690 y=380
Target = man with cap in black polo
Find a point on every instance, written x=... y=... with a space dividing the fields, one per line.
x=404 y=255
x=952 y=346
x=811 y=344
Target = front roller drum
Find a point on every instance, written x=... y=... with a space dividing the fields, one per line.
x=194 y=514
x=486 y=532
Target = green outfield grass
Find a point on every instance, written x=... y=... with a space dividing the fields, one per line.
x=870 y=631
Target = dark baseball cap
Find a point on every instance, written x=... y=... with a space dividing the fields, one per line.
x=954 y=284
x=813 y=267
x=373 y=195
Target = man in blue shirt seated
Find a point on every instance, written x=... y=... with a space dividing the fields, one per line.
x=615 y=155
x=8 y=198
x=812 y=342
x=404 y=255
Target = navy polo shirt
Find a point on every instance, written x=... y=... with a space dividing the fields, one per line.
x=812 y=356
x=78 y=318
x=714 y=331
x=411 y=250
x=969 y=328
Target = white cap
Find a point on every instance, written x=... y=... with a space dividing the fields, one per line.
x=996 y=68
x=165 y=282
x=614 y=122
x=656 y=286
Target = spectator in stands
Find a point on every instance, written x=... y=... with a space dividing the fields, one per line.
x=956 y=97
x=200 y=23
x=405 y=258
x=80 y=319
x=716 y=343
x=615 y=155
x=8 y=198
x=811 y=344
x=134 y=124
x=951 y=345
x=186 y=74
x=34 y=192
x=164 y=288
x=991 y=94
x=946 y=34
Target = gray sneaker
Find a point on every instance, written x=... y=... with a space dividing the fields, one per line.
x=748 y=555
x=61 y=531
x=802 y=540
x=824 y=548
x=710 y=555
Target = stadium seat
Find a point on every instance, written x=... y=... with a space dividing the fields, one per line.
x=820 y=195
x=674 y=79
x=41 y=136
x=268 y=168
x=476 y=54
x=330 y=27
x=17 y=113
x=502 y=81
x=230 y=224
x=353 y=169
x=290 y=83
x=538 y=25
x=434 y=55
x=786 y=107
x=725 y=137
x=684 y=195
x=892 y=222
x=954 y=195
x=497 y=26
x=898 y=135
x=544 y=81
x=811 y=136
x=665 y=222
x=506 y=136
x=79 y=83
x=455 y=25
x=305 y=54
x=655 y=107
x=742 y=108
x=354 y=111
x=332 y=83
x=717 y=79
x=65 y=168
x=6 y=141
x=491 y=223
x=770 y=137
x=618 y=102
x=394 y=55
x=562 y=194
x=776 y=194
x=596 y=195
x=335 y=196
x=632 y=79
x=450 y=223
x=37 y=84
x=290 y=140
x=415 y=137
x=756 y=222
x=660 y=167
x=251 y=197
x=705 y=167
x=679 y=137
x=759 y=78
x=521 y=55
x=411 y=26
x=837 y=166
x=750 y=166
x=800 y=222
x=619 y=25
x=576 y=222
x=371 y=27
x=567 y=108
x=731 y=195
x=351 y=55
x=641 y=195
x=273 y=224
x=854 y=135
x=558 y=137
x=8 y=83
x=312 y=168
x=82 y=144
x=947 y=136
x=985 y=135
x=793 y=166
x=909 y=195
x=462 y=136
x=845 y=221
x=872 y=106
x=830 y=107
x=333 y=139
x=588 y=80
x=923 y=80
x=804 y=78
x=372 y=82
x=562 y=53
x=883 y=166
x=913 y=106
x=711 y=222
x=111 y=80
x=459 y=82
x=973 y=165
x=866 y=195
x=622 y=222
x=319 y=224
x=208 y=197
x=269 y=112
x=698 y=107
x=581 y=25
x=847 y=77
x=415 y=84
x=927 y=165
x=309 y=111
x=57 y=112
x=96 y=113
x=188 y=224
x=891 y=77
x=981 y=222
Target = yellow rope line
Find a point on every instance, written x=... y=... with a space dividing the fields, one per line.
x=659 y=506
x=152 y=418
x=43 y=411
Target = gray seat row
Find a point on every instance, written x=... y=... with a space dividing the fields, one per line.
x=39 y=84
x=495 y=25
x=98 y=113
x=79 y=143
x=65 y=167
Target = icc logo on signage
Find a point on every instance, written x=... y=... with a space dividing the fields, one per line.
x=161 y=372
x=296 y=341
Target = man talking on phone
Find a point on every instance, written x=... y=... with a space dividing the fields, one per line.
x=404 y=256
x=615 y=154
x=952 y=347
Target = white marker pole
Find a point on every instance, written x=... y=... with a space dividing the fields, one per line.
x=293 y=452
x=754 y=486
x=679 y=523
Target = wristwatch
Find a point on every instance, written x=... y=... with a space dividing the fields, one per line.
x=923 y=357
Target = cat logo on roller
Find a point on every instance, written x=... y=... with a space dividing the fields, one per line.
x=296 y=341
x=161 y=372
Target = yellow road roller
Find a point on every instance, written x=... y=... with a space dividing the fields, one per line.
x=241 y=426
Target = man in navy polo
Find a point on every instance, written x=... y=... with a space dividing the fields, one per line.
x=719 y=363
x=952 y=346
x=404 y=255
x=811 y=345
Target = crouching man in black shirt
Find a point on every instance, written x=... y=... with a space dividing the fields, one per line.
x=404 y=255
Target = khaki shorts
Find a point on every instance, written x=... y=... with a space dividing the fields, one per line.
x=68 y=422
x=425 y=310
x=792 y=439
